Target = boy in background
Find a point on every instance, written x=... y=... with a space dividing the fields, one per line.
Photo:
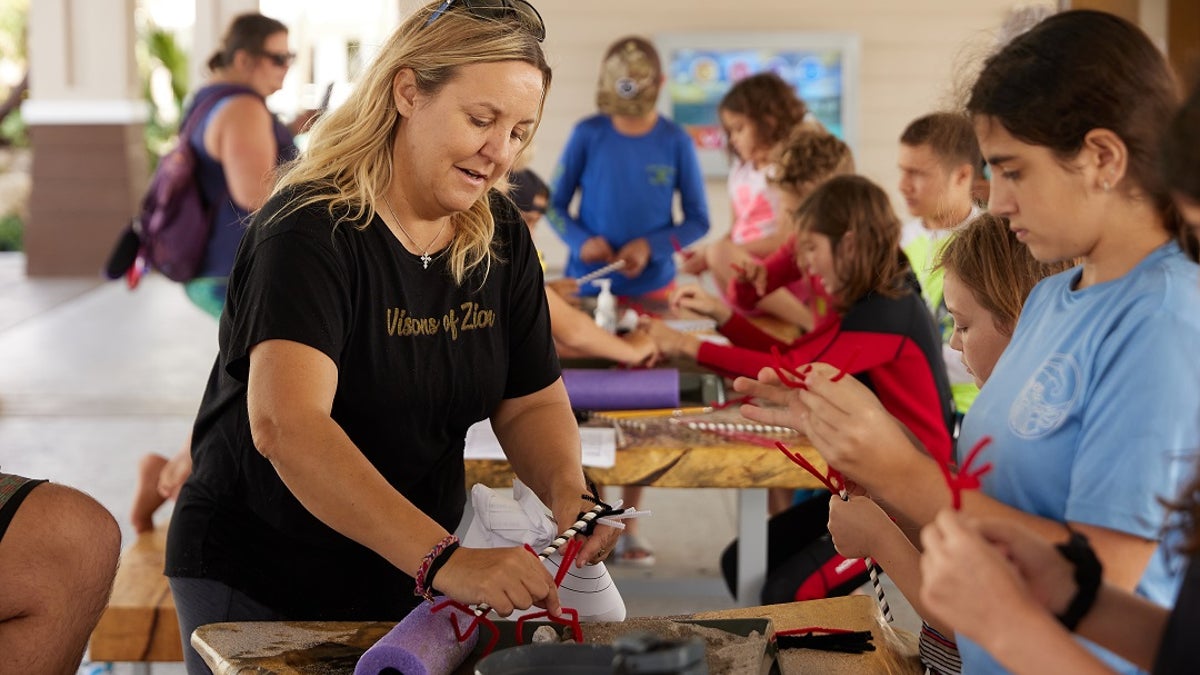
x=627 y=163
x=938 y=159
x=575 y=333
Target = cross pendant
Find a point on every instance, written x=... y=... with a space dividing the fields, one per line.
x=425 y=258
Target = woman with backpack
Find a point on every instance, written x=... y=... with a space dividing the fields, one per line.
x=238 y=143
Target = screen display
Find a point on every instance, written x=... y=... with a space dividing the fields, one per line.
x=700 y=69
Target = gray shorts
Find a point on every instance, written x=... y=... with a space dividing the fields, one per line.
x=13 y=490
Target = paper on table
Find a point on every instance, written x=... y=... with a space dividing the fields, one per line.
x=599 y=444
x=692 y=325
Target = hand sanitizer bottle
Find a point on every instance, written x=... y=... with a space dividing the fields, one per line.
x=606 y=306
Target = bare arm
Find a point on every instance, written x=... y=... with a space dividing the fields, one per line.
x=241 y=138
x=860 y=528
x=579 y=334
x=854 y=433
x=1026 y=582
x=289 y=398
x=767 y=245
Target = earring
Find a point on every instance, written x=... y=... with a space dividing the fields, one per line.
x=1106 y=185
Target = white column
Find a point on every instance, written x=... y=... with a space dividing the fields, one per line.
x=82 y=66
x=85 y=116
x=212 y=18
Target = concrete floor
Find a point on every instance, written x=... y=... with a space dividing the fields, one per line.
x=93 y=376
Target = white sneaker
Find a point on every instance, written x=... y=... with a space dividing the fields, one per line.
x=522 y=519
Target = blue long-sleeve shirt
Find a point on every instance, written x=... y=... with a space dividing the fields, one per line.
x=627 y=186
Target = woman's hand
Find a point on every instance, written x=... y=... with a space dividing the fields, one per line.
x=566 y=288
x=597 y=546
x=855 y=524
x=596 y=250
x=507 y=579
x=694 y=299
x=1048 y=576
x=980 y=575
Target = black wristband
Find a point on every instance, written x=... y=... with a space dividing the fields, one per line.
x=1088 y=571
x=437 y=564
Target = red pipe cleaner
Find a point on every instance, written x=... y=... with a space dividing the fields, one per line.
x=731 y=402
x=834 y=481
x=965 y=478
x=477 y=621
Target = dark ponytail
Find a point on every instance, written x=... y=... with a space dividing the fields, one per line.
x=248 y=32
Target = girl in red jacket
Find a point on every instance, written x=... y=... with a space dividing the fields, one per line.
x=848 y=238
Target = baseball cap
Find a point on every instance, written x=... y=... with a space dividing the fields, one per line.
x=629 y=78
x=525 y=185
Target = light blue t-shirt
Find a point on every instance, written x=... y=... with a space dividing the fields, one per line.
x=1094 y=411
x=627 y=187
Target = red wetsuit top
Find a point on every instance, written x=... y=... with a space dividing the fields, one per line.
x=889 y=344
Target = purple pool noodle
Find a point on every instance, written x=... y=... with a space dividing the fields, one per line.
x=622 y=389
x=422 y=644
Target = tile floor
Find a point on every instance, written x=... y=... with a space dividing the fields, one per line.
x=93 y=376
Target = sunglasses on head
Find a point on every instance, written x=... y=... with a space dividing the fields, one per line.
x=282 y=60
x=494 y=10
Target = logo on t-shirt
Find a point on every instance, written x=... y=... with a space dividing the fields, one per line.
x=1047 y=398
x=660 y=174
x=469 y=316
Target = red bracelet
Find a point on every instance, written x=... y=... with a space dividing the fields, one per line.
x=422 y=589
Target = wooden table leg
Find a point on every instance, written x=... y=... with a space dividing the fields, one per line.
x=752 y=545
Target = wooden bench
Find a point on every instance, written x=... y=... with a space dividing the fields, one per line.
x=139 y=625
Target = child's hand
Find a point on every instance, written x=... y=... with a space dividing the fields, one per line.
x=693 y=262
x=851 y=428
x=646 y=352
x=691 y=297
x=670 y=342
x=567 y=288
x=754 y=273
x=636 y=255
x=855 y=524
x=596 y=250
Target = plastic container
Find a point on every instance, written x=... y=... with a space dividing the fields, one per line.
x=641 y=653
x=552 y=659
x=606 y=306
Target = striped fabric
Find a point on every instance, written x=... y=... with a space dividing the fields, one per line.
x=938 y=653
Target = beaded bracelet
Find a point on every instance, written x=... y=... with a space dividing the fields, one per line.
x=431 y=563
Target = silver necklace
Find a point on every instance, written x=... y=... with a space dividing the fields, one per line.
x=425 y=257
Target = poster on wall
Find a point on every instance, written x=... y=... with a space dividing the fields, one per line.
x=701 y=67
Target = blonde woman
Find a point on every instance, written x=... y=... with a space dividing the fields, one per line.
x=385 y=299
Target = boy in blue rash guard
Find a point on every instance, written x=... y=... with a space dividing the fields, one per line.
x=627 y=163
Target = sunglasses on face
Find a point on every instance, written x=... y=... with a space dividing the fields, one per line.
x=282 y=60
x=494 y=10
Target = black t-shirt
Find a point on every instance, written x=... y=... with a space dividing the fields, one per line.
x=419 y=360
x=1177 y=653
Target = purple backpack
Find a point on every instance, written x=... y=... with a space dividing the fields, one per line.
x=171 y=231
